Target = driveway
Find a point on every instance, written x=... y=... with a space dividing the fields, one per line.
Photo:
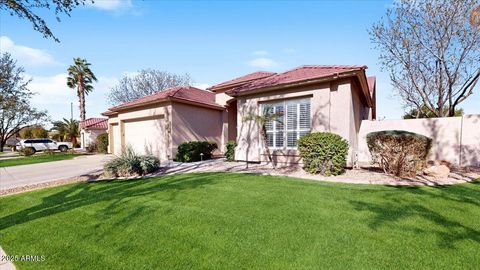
x=25 y=175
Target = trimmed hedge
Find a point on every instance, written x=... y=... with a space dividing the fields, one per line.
x=102 y=143
x=399 y=152
x=230 y=152
x=324 y=153
x=190 y=151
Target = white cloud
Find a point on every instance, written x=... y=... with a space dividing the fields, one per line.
x=26 y=56
x=202 y=86
x=263 y=62
x=112 y=5
x=53 y=95
x=260 y=53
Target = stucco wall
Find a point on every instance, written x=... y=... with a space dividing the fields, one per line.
x=89 y=136
x=332 y=109
x=117 y=125
x=454 y=138
x=191 y=123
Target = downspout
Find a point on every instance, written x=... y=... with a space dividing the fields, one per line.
x=460 y=142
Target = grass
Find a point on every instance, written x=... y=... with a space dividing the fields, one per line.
x=240 y=221
x=38 y=158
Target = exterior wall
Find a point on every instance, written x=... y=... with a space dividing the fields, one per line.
x=89 y=136
x=333 y=108
x=455 y=139
x=193 y=123
x=117 y=126
x=222 y=98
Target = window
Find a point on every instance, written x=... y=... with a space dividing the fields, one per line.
x=293 y=123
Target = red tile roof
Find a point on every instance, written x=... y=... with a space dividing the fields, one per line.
x=242 y=79
x=371 y=84
x=185 y=93
x=94 y=123
x=300 y=74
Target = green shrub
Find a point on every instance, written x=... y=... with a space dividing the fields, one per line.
x=399 y=152
x=190 y=151
x=324 y=153
x=92 y=147
x=102 y=143
x=230 y=152
x=27 y=151
x=149 y=163
x=131 y=164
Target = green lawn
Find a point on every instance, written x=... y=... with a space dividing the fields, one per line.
x=38 y=158
x=238 y=221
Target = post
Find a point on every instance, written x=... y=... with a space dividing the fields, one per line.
x=71 y=110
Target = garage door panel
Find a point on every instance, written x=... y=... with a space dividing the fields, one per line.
x=147 y=137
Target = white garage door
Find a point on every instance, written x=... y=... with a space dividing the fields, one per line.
x=117 y=143
x=147 y=136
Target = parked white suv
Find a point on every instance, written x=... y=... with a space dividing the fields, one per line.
x=43 y=144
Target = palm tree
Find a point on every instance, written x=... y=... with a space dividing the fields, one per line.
x=81 y=77
x=67 y=130
x=262 y=120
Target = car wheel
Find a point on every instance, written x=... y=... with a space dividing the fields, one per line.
x=33 y=149
x=63 y=148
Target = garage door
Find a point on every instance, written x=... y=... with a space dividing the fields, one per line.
x=147 y=136
x=117 y=144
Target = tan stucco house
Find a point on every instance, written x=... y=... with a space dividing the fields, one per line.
x=311 y=98
x=158 y=123
x=90 y=128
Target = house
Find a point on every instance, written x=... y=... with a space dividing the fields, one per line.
x=310 y=98
x=158 y=123
x=89 y=130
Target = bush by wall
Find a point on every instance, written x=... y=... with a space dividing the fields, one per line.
x=102 y=143
x=399 y=152
x=230 y=151
x=190 y=151
x=27 y=151
x=324 y=153
x=131 y=164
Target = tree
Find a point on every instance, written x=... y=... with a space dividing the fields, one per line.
x=81 y=76
x=431 y=51
x=425 y=113
x=67 y=130
x=146 y=82
x=25 y=10
x=35 y=131
x=262 y=120
x=16 y=111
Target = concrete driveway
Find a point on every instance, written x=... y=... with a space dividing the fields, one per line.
x=25 y=175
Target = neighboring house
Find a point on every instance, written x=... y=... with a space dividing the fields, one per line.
x=158 y=123
x=90 y=129
x=311 y=98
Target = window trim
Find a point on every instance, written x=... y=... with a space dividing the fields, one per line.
x=298 y=129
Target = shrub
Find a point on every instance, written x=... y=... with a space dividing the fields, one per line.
x=190 y=151
x=26 y=151
x=324 y=153
x=149 y=163
x=102 y=143
x=49 y=152
x=131 y=164
x=92 y=147
x=230 y=152
x=399 y=152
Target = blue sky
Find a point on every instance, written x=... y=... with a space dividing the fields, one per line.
x=212 y=41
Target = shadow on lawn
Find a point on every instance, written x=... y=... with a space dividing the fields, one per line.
x=417 y=202
x=114 y=191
